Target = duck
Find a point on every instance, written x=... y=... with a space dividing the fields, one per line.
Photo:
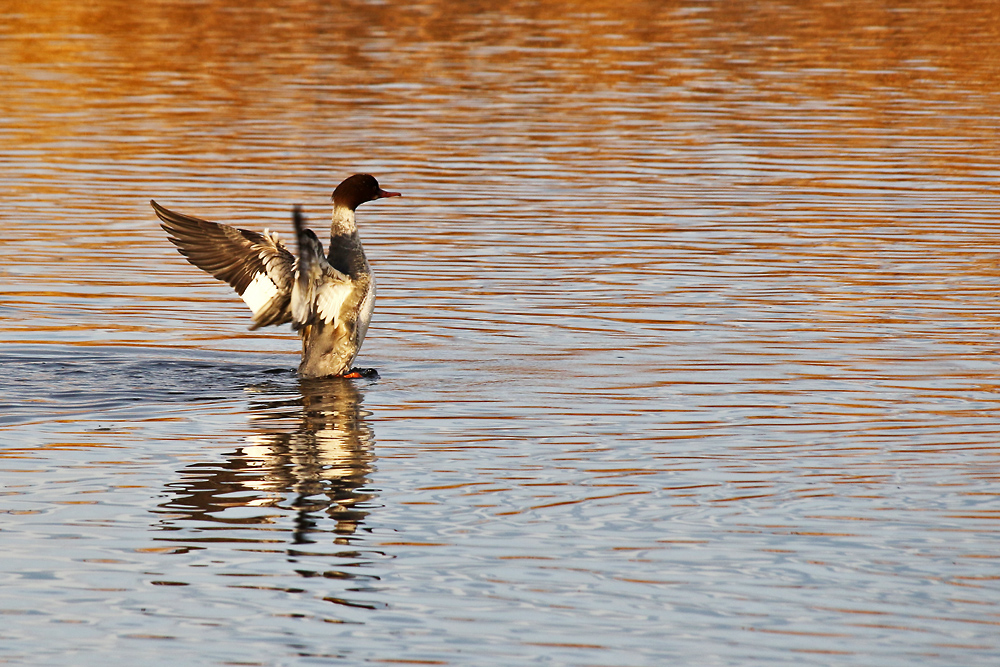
x=328 y=297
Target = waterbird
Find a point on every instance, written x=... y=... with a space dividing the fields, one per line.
x=328 y=299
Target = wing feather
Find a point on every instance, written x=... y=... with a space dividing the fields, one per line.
x=318 y=290
x=330 y=299
x=256 y=265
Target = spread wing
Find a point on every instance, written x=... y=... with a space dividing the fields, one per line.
x=319 y=291
x=258 y=266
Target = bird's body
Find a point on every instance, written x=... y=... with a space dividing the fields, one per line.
x=329 y=299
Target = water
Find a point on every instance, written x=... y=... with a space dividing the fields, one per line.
x=687 y=334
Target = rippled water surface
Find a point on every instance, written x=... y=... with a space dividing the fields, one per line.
x=687 y=332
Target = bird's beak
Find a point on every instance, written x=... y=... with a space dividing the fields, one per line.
x=384 y=193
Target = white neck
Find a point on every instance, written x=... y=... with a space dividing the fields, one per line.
x=343 y=221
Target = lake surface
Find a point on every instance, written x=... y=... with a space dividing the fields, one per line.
x=688 y=333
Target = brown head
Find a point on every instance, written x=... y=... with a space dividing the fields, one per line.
x=357 y=189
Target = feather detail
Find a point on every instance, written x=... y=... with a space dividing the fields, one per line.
x=257 y=266
x=318 y=290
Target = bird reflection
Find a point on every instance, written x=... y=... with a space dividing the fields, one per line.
x=311 y=457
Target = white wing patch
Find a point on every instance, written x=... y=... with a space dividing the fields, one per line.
x=259 y=292
x=330 y=298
